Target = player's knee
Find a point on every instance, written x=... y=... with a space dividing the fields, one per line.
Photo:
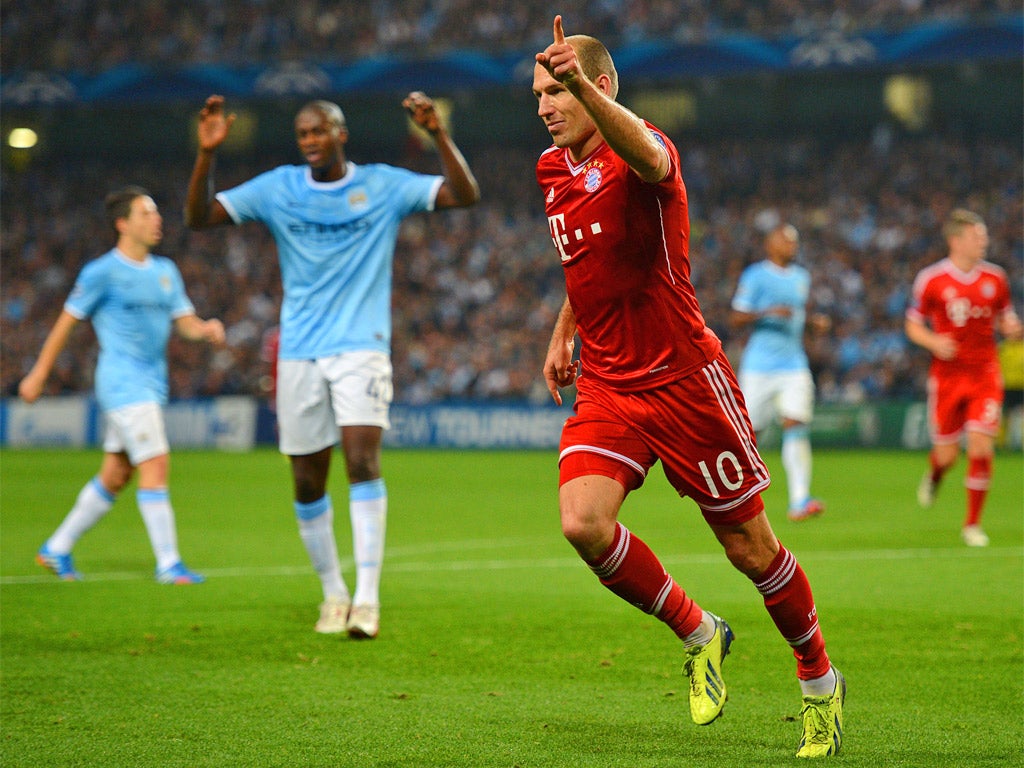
x=745 y=563
x=362 y=461
x=114 y=475
x=576 y=534
x=362 y=471
x=586 y=534
x=309 y=475
x=309 y=486
x=115 y=482
x=751 y=557
x=982 y=456
x=982 y=449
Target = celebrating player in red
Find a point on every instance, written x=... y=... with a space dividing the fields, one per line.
x=653 y=383
x=957 y=306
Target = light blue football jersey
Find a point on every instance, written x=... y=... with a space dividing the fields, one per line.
x=335 y=242
x=776 y=344
x=132 y=306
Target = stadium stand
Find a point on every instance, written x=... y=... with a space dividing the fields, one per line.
x=476 y=291
x=87 y=35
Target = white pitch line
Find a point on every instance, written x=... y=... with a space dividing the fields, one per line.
x=393 y=562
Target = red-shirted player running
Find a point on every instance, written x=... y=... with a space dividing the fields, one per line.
x=654 y=383
x=957 y=306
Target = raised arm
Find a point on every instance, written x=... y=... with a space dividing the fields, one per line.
x=31 y=387
x=201 y=208
x=460 y=188
x=625 y=133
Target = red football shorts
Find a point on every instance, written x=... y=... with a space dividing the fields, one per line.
x=970 y=400
x=698 y=427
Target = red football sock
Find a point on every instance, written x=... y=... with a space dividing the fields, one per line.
x=979 y=475
x=787 y=596
x=633 y=572
x=937 y=471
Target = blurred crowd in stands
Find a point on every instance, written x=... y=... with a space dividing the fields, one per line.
x=90 y=35
x=477 y=290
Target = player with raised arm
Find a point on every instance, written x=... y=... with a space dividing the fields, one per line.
x=654 y=384
x=335 y=224
x=956 y=308
x=133 y=298
x=775 y=376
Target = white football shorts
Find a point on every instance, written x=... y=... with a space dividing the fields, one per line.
x=784 y=395
x=316 y=397
x=137 y=430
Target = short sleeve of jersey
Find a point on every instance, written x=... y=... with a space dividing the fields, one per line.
x=88 y=291
x=417 y=191
x=1004 y=300
x=916 y=306
x=181 y=305
x=746 y=289
x=248 y=201
x=670 y=148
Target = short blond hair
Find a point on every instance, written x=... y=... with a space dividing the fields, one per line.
x=959 y=220
x=595 y=60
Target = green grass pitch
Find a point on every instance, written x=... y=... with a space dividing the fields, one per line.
x=497 y=646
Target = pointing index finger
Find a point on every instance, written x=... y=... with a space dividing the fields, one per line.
x=559 y=34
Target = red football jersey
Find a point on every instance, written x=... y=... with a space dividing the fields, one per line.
x=963 y=305
x=624 y=244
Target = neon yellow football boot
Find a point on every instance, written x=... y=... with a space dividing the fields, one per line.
x=823 y=722
x=703 y=666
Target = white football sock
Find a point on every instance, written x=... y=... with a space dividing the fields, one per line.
x=702 y=634
x=316 y=528
x=157 y=514
x=820 y=686
x=93 y=502
x=796 y=459
x=368 y=505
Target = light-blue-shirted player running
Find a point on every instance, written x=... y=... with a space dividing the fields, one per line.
x=335 y=224
x=133 y=299
x=774 y=373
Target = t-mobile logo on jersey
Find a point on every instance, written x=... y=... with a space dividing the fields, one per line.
x=960 y=310
x=560 y=235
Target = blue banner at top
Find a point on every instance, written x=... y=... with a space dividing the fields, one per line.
x=944 y=42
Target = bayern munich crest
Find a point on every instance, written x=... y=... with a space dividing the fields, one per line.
x=592 y=180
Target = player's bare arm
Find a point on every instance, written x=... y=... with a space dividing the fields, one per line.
x=201 y=209
x=625 y=133
x=421 y=109
x=193 y=328
x=559 y=368
x=1010 y=325
x=819 y=322
x=941 y=346
x=31 y=387
x=740 y=320
x=214 y=124
x=460 y=188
